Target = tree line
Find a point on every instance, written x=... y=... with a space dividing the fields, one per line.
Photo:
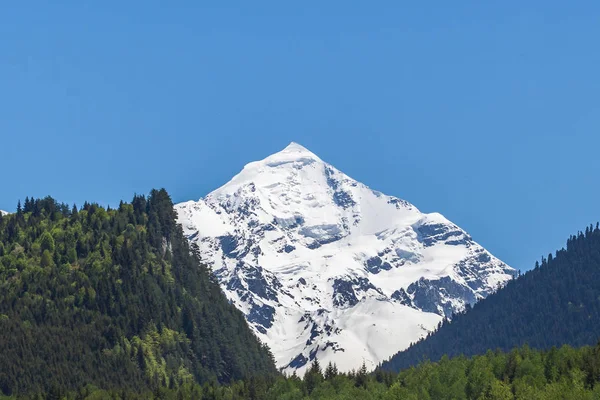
x=563 y=373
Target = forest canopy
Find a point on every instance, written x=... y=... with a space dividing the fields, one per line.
x=116 y=298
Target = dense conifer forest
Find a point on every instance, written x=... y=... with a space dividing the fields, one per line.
x=114 y=298
x=523 y=374
x=556 y=303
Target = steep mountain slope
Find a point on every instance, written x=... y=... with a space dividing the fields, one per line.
x=322 y=266
x=556 y=303
x=113 y=298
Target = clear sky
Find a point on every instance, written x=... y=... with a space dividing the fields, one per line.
x=488 y=112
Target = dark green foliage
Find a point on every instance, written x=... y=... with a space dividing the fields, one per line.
x=116 y=299
x=313 y=376
x=523 y=374
x=558 y=302
x=331 y=371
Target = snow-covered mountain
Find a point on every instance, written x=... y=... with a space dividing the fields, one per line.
x=2 y=212
x=322 y=266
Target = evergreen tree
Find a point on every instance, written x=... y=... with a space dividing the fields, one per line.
x=360 y=379
x=313 y=376
x=331 y=371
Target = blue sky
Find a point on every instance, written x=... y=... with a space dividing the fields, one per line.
x=487 y=113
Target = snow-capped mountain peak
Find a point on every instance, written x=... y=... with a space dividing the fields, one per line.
x=294 y=150
x=323 y=266
x=270 y=169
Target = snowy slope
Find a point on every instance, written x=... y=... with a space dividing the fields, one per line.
x=2 y=212
x=322 y=266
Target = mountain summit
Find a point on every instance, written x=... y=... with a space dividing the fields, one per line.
x=323 y=266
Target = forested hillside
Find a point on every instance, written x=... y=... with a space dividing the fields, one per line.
x=115 y=298
x=556 y=303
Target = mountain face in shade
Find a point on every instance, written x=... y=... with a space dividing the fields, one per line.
x=323 y=266
x=555 y=303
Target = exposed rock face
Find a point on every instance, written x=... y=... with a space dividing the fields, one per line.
x=322 y=266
